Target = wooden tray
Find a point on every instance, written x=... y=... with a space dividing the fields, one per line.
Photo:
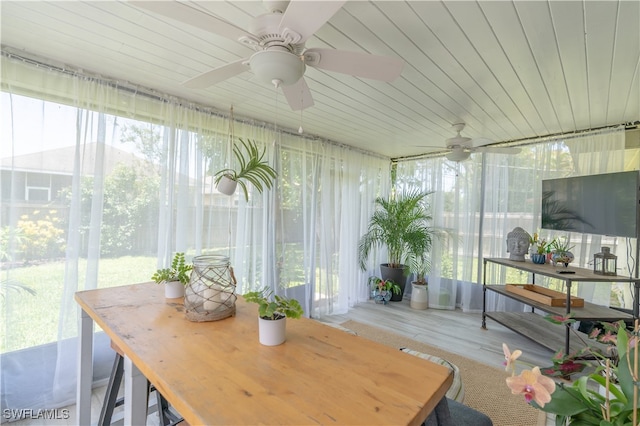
x=544 y=295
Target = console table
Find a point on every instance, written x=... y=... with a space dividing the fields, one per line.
x=534 y=326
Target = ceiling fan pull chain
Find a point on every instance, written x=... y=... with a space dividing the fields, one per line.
x=300 y=129
x=276 y=84
x=231 y=139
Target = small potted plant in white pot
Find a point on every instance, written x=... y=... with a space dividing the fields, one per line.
x=273 y=310
x=174 y=278
x=251 y=168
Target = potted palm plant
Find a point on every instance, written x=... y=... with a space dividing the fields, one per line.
x=402 y=224
x=420 y=266
x=251 y=168
x=273 y=310
x=174 y=278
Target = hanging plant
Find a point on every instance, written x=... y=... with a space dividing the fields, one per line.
x=251 y=168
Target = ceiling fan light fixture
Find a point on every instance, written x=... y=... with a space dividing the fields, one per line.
x=283 y=66
x=458 y=155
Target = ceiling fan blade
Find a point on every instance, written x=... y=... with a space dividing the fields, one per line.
x=365 y=65
x=499 y=150
x=189 y=15
x=434 y=147
x=298 y=95
x=306 y=17
x=217 y=75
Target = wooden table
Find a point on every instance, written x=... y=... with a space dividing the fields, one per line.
x=218 y=373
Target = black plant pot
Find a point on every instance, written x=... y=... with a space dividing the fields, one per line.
x=398 y=276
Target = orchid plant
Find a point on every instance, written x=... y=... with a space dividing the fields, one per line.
x=609 y=396
x=541 y=245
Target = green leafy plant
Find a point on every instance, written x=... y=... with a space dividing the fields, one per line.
x=273 y=307
x=400 y=223
x=13 y=285
x=179 y=271
x=251 y=168
x=384 y=285
x=561 y=245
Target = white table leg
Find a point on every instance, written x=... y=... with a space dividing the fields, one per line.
x=135 y=395
x=85 y=369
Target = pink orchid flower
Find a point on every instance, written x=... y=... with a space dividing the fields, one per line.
x=533 y=385
x=608 y=337
x=510 y=358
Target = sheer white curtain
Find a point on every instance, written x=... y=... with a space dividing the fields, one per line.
x=591 y=153
x=480 y=200
x=83 y=208
x=600 y=152
x=301 y=239
x=102 y=182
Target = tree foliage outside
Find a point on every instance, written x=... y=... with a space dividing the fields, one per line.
x=146 y=139
x=129 y=211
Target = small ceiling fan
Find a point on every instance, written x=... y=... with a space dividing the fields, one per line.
x=460 y=147
x=278 y=39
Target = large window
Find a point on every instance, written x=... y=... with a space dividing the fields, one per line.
x=101 y=185
x=477 y=202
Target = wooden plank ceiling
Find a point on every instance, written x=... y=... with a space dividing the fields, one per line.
x=509 y=69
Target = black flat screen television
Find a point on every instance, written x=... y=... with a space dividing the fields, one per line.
x=604 y=204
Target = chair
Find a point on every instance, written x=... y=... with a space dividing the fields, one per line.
x=111 y=400
x=451 y=413
x=456 y=391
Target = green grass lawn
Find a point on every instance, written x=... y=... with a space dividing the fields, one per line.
x=33 y=320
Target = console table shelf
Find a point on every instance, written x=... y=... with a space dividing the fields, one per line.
x=590 y=311
x=534 y=326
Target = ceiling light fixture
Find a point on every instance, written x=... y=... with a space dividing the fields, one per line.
x=280 y=65
x=458 y=155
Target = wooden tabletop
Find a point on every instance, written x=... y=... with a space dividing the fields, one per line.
x=218 y=373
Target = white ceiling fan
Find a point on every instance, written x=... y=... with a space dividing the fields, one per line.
x=278 y=38
x=460 y=147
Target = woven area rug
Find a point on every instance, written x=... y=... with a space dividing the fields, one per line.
x=484 y=386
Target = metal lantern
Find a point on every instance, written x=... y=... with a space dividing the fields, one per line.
x=605 y=263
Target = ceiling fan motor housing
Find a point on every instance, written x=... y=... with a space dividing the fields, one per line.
x=274 y=6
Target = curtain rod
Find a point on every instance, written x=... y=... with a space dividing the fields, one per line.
x=533 y=141
x=160 y=97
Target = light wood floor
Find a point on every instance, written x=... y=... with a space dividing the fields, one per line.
x=454 y=331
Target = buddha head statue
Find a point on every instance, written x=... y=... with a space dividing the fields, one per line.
x=517 y=244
